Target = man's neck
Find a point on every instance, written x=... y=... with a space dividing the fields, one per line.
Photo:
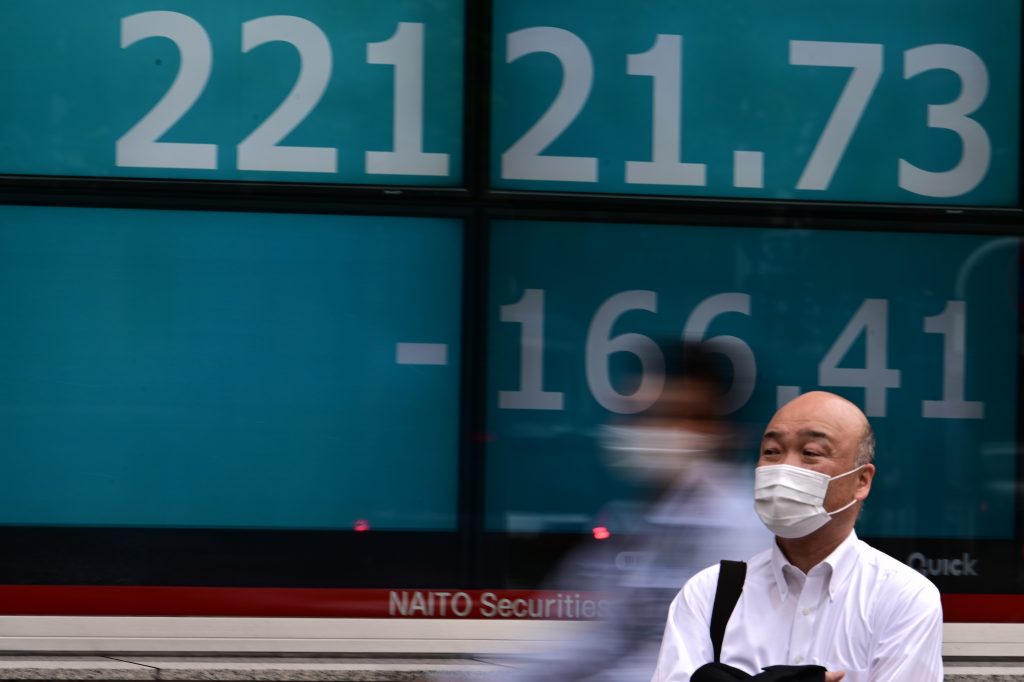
x=807 y=552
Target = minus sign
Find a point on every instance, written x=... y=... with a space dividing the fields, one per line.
x=421 y=353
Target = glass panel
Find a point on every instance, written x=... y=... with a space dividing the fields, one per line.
x=858 y=100
x=359 y=92
x=919 y=330
x=229 y=370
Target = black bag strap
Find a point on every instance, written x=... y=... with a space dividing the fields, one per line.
x=730 y=583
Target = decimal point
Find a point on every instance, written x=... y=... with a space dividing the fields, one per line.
x=748 y=169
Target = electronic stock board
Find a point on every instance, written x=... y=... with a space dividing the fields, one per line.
x=310 y=365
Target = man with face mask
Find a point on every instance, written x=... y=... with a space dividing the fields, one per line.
x=819 y=596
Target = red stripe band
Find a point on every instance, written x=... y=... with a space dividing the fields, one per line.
x=75 y=600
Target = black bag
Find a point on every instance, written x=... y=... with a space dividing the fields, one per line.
x=727 y=593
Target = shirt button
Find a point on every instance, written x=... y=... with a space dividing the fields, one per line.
x=806 y=612
x=798 y=660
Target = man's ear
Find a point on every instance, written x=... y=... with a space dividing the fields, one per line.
x=864 y=478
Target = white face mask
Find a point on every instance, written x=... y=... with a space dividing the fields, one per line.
x=790 y=500
x=653 y=453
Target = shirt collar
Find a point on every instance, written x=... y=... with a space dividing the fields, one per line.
x=840 y=564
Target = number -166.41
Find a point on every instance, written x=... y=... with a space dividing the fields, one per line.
x=871 y=319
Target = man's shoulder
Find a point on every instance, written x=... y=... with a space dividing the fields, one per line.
x=703 y=581
x=895 y=579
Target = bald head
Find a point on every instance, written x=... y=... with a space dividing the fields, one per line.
x=822 y=404
x=828 y=418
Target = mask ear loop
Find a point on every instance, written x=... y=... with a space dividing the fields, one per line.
x=854 y=500
x=843 y=508
x=848 y=472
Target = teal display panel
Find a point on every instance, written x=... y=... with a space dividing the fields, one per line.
x=228 y=370
x=920 y=330
x=904 y=101
x=359 y=92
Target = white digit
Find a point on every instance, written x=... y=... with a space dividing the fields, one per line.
x=664 y=62
x=260 y=150
x=955 y=116
x=138 y=148
x=866 y=61
x=873 y=319
x=739 y=353
x=523 y=160
x=528 y=311
x=951 y=323
x=404 y=50
x=600 y=345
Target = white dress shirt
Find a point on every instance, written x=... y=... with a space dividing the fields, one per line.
x=859 y=611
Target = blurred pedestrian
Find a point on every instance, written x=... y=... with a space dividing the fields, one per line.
x=695 y=509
